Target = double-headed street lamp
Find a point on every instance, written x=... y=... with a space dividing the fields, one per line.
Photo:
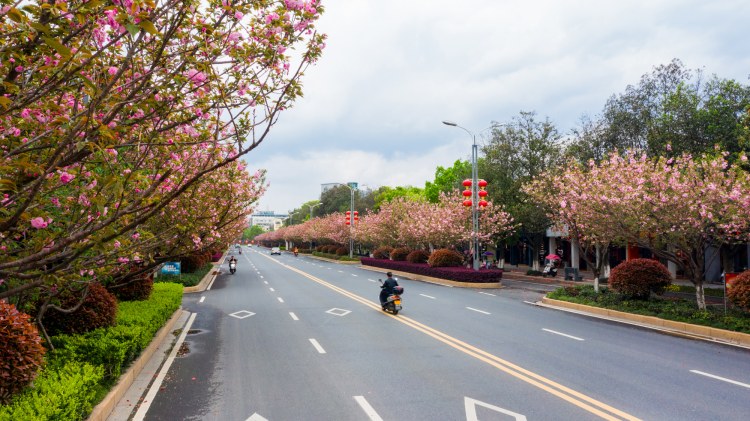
x=312 y=207
x=474 y=195
x=352 y=186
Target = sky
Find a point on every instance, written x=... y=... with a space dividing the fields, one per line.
x=392 y=70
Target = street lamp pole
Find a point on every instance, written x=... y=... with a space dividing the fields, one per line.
x=474 y=196
x=351 y=217
x=312 y=207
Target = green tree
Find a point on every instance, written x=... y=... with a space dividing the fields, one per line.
x=447 y=180
x=675 y=106
x=516 y=153
x=252 y=231
x=388 y=194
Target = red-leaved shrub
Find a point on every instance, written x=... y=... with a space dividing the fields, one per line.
x=99 y=309
x=133 y=288
x=638 y=278
x=21 y=351
x=341 y=251
x=445 y=258
x=418 y=256
x=399 y=254
x=382 y=252
x=193 y=262
x=739 y=293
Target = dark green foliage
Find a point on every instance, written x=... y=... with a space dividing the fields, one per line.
x=638 y=278
x=21 y=351
x=739 y=293
x=445 y=258
x=99 y=309
x=134 y=288
x=187 y=279
x=418 y=256
x=382 y=252
x=400 y=254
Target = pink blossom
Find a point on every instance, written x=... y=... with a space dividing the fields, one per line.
x=112 y=70
x=38 y=222
x=65 y=177
x=116 y=244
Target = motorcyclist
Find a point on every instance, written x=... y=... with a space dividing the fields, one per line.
x=387 y=288
x=232 y=259
x=296 y=250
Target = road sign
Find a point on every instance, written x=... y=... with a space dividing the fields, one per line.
x=171 y=268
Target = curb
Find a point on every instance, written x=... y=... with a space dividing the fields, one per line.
x=439 y=281
x=207 y=279
x=713 y=334
x=107 y=405
x=325 y=259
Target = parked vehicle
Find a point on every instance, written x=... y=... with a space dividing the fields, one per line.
x=275 y=250
x=392 y=304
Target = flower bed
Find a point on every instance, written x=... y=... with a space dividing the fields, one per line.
x=458 y=274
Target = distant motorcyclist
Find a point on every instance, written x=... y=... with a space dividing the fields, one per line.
x=387 y=288
x=232 y=259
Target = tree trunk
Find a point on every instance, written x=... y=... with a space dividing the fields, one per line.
x=700 y=297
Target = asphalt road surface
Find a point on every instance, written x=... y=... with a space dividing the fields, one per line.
x=295 y=338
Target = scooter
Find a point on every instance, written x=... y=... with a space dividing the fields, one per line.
x=550 y=268
x=232 y=267
x=393 y=303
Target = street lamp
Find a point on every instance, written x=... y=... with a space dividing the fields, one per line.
x=474 y=195
x=312 y=207
x=352 y=186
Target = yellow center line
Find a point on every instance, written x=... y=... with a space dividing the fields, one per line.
x=569 y=395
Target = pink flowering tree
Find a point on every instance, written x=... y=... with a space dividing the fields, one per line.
x=111 y=112
x=676 y=207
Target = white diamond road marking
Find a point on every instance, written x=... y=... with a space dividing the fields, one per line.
x=338 y=312
x=242 y=314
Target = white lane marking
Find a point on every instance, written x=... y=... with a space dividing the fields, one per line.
x=353 y=274
x=317 y=346
x=265 y=282
x=203 y=298
x=562 y=334
x=272 y=290
x=261 y=277
x=369 y=410
x=281 y=300
x=428 y=296
x=156 y=385
x=341 y=271
x=478 y=311
x=372 y=280
x=721 y=378
x=256 y=417
x=294 y=316
x=487 y=293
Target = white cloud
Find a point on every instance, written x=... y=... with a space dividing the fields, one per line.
x=393 y=69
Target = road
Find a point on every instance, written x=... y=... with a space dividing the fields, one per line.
x=290 y=338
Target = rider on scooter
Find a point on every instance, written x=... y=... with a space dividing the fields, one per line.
x=387 y=288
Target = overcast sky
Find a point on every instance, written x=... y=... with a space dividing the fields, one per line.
x=392 y=70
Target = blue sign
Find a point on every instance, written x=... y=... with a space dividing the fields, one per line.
x=171 y=268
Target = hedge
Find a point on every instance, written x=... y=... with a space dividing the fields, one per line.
x=458 y=274
x=82 y=368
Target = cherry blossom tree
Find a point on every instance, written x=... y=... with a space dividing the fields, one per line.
x=111 y=111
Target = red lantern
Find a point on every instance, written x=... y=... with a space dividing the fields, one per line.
x=466 y=193
x=467 y=183
x=483 y=203
x=482 y=184
x=356 y=216
x=467 y=203
x=482 y=193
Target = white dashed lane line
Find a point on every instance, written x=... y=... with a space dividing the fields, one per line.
x=281 y=300
x=563 y=334
x=317 y=346
x=293 y=316
x=478 y=311
x=202 y=299
x=487 y=293
x=734 y=382
x=429 y=296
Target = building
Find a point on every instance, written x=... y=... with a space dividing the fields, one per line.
x=268 y=220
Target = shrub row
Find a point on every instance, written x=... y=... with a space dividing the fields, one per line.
x=458 y=274
x=83 y=367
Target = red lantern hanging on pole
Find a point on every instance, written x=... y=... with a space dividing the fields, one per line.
x=482 y=194
x=467 y=193
x=348 y=217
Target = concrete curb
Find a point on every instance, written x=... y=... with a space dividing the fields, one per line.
x=207 y=279
x=651 y=322
x=107 y=405
x=325 y=259
x=439 y=281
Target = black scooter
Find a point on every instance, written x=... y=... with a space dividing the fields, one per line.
x=392 y=304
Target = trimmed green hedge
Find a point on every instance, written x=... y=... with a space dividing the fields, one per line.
x=83 y=368
x=335 y=257
x=675 y=309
